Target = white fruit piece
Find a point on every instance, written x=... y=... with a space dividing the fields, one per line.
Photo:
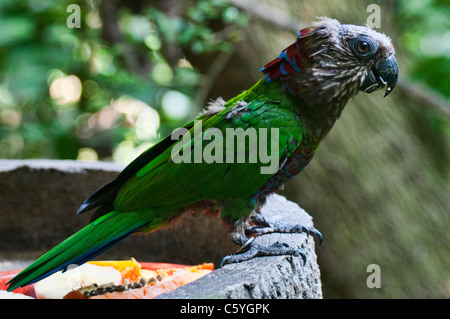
x=12 y=295
x=59 y=284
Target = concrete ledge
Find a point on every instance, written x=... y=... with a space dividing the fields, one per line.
x=39 y=199
x=265 y=277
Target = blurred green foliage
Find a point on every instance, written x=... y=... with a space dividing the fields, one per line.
x=75 y=93
x=69 y=93
x=424 y=26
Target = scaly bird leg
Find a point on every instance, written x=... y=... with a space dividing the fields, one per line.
x=261 y=226
x=249 y=249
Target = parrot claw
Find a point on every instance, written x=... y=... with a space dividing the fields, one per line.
x=255 y=250
x=261 y=226
x=249 y=249
x=245 y=245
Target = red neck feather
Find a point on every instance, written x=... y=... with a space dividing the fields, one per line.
x=292 y=59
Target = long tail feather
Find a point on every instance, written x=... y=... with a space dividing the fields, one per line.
x=82 y=246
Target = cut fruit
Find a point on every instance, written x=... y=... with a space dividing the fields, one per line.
x=130 y=269
x=6 y=276
x=12 y=295
x=166 y=280
x=59 y=284
x=125 y=279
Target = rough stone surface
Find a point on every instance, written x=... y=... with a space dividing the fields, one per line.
x=265 y=277
x=39 y=199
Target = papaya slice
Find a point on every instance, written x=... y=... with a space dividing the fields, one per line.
x=167 y=280
x=130 y=269
x=134 y=280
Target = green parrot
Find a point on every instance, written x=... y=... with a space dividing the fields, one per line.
x=290 y=110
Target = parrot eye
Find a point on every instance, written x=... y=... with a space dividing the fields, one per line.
x=363 y=46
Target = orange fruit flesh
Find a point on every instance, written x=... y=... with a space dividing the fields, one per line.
x=130 y=269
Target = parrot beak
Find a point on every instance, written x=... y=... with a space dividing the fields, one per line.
x=385 y=71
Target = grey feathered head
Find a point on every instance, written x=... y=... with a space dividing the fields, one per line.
x=330 y=62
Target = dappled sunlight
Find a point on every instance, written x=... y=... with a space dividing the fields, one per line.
x=66 y=90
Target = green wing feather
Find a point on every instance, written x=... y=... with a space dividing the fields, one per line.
x=150 y=191
x=163 y=183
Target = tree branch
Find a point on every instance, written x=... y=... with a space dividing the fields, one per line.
x=111 y=32
x=269 y=14
x=425 y=96
x=209 y=77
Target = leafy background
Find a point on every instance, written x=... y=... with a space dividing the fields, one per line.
x=135 y=70
x=81 y=94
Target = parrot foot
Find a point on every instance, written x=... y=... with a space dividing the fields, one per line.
x=249 y=249
x=256 y=250
x=261 y=227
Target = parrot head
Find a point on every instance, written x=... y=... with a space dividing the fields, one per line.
x=334 y=61
x=363 y=57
